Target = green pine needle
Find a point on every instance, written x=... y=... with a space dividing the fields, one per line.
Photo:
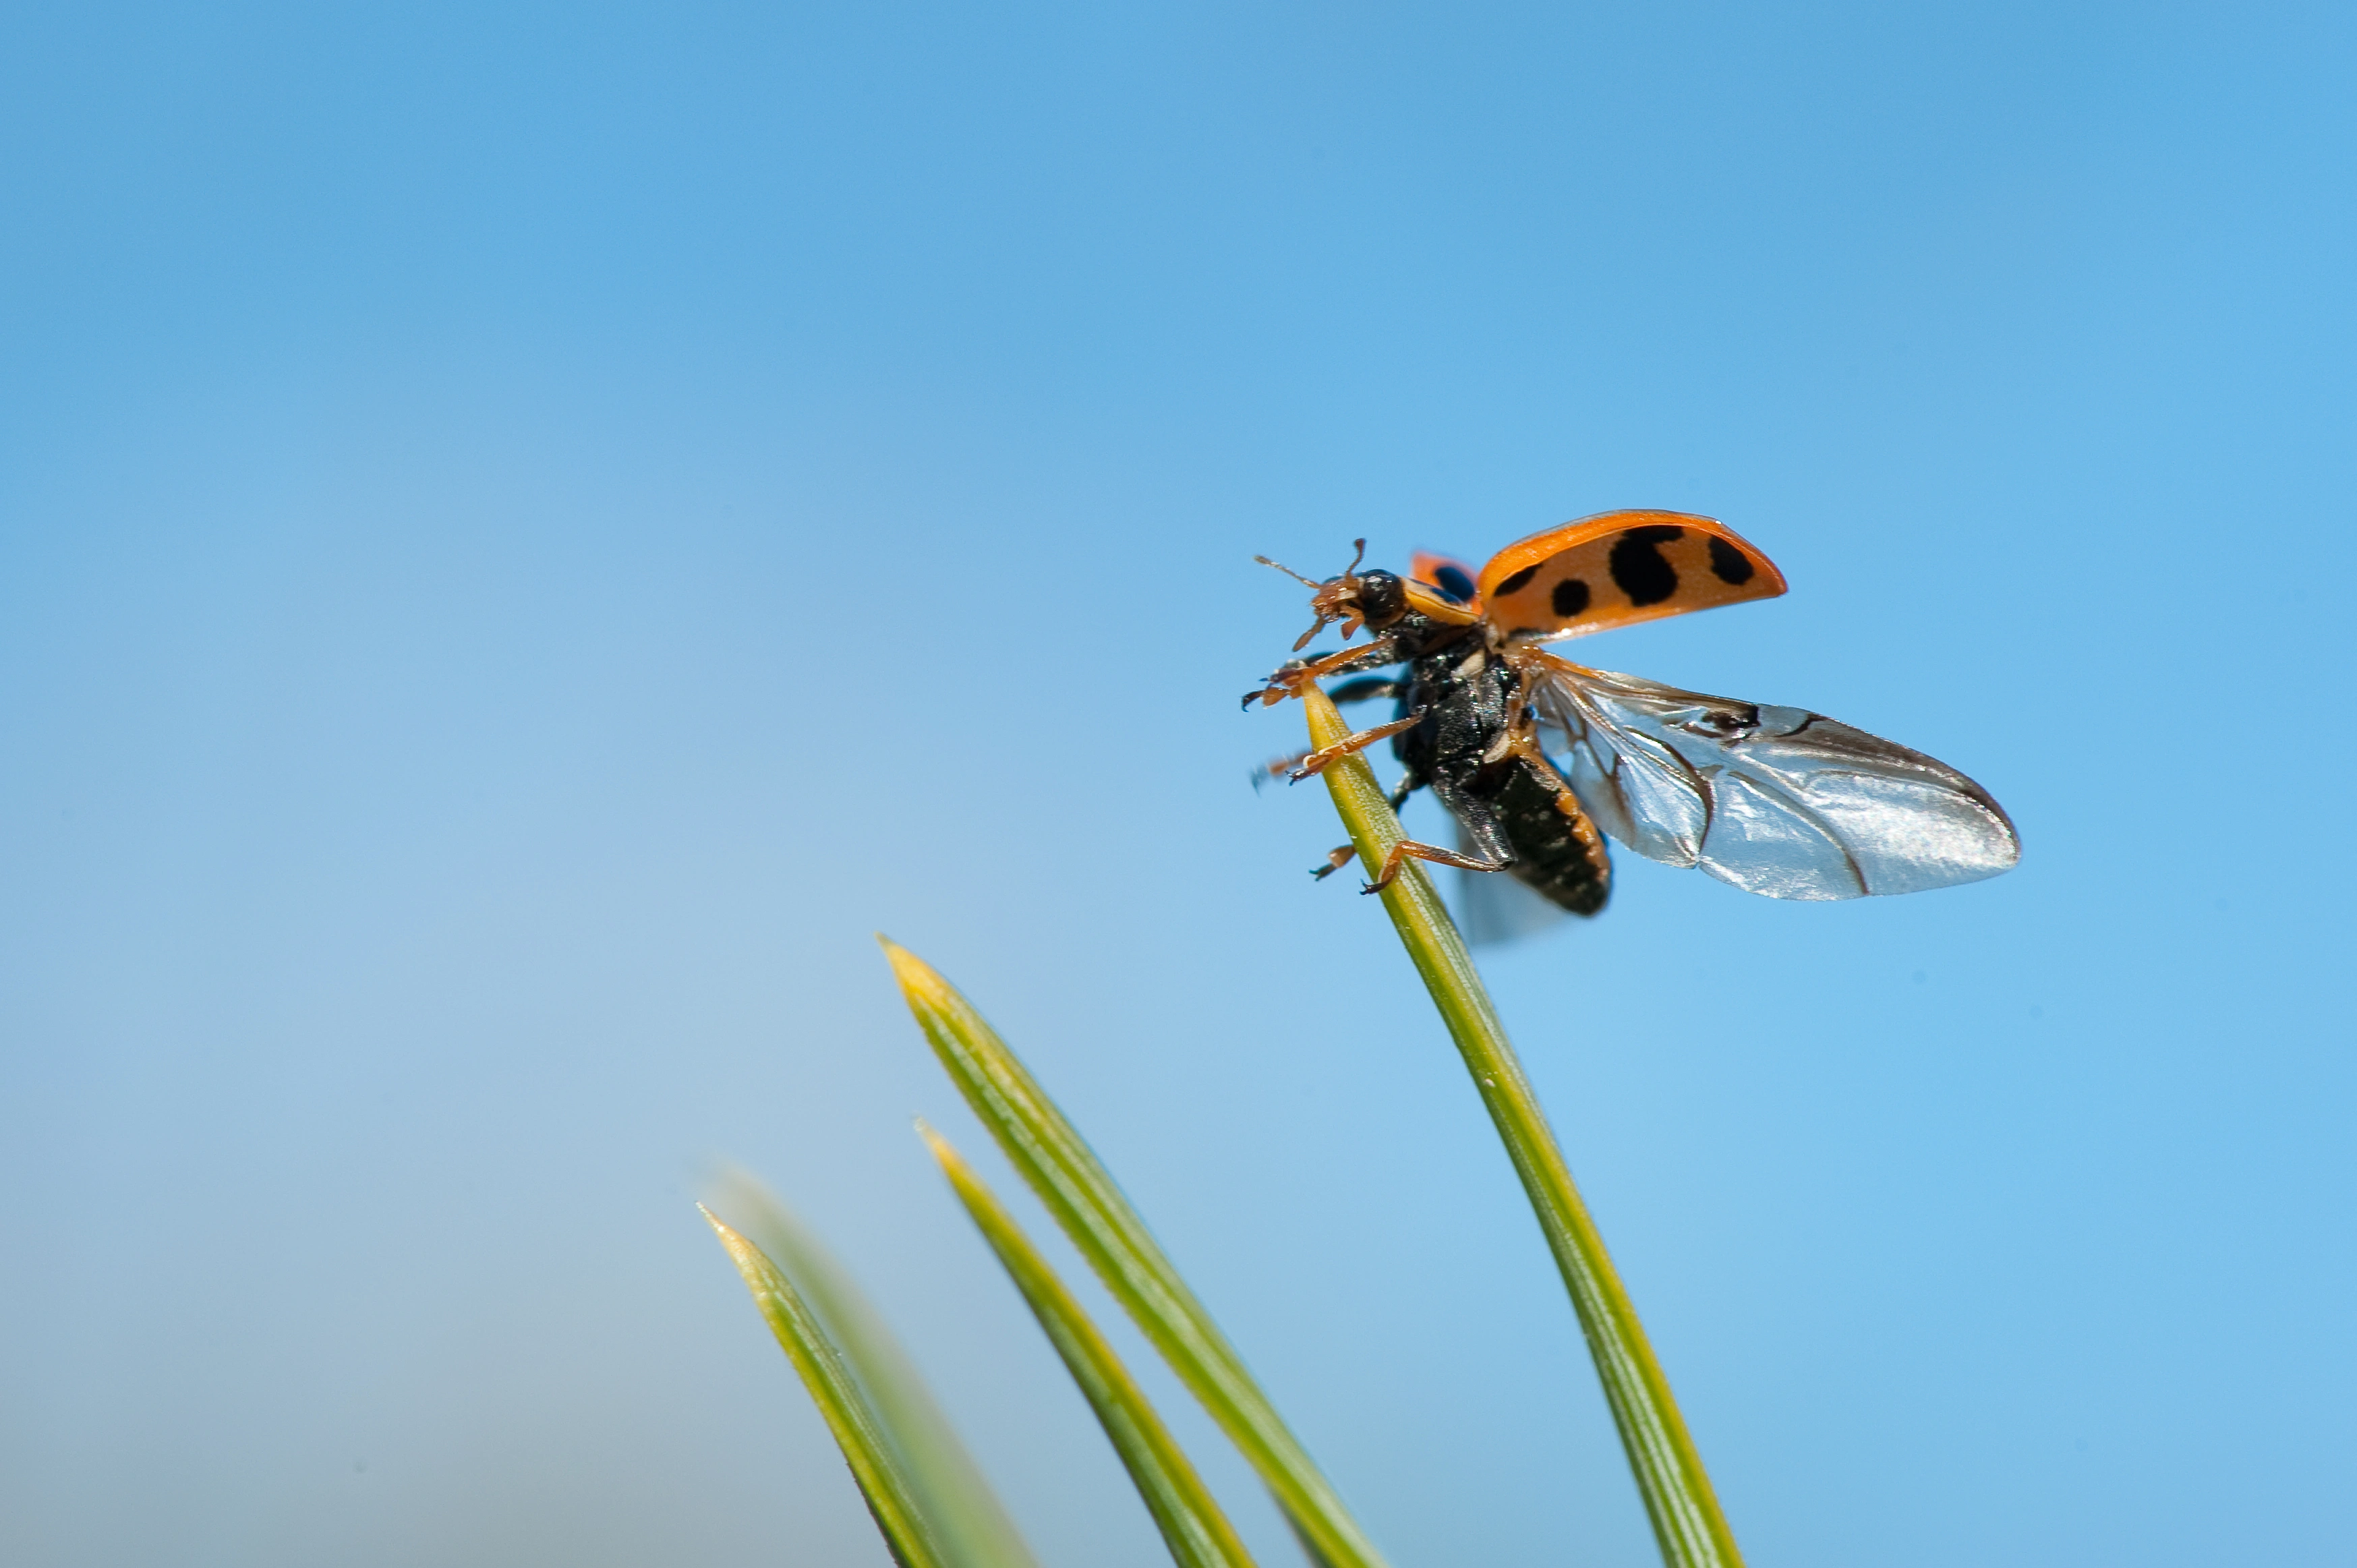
x=1685 y=1510
x=875 y=1463
x=1079 y=1191
x=969 y=1523
x=1198 y=1534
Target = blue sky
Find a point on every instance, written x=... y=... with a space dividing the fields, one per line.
x=527 y=533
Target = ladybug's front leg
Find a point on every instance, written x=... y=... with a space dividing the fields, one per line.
x=1297 y=673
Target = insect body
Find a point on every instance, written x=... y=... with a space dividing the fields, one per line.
x=1776 y=800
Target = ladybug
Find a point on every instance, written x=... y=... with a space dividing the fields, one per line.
x=1539 y=760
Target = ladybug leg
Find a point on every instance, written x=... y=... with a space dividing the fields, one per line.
x=1409 y=849
x=1296 y=673
x=1339 y=856
x=1318 y=761
x=1276 y=768
x=1365 y=689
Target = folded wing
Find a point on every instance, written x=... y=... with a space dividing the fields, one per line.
x=1779 y=801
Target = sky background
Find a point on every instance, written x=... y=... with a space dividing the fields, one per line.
x=528 y=532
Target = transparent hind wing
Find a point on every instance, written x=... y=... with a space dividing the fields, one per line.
x=1778 y=801
x=1495 y=906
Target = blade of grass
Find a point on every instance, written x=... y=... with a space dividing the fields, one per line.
x=891 y=1499
x=972 y=1527
x=1079 y=1191
x=1198 y=1534
x=1684 y=1511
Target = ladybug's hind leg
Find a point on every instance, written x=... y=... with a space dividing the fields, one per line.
x=1409 y=849
x=1336 y=859
x=1339 y=856
x=1486 y=847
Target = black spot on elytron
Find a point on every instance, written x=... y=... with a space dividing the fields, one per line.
x=1519 y=581
x=1452 y=581
x=1637 y=566
x=1729 y=565
x=1570 y=597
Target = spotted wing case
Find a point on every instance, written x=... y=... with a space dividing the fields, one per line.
x=1454 y=578
x=1618 y=568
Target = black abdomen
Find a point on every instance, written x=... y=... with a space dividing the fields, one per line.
x=1553 y=854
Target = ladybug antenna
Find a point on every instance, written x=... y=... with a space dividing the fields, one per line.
x=1289 y=572
x=1359 y=554
x=1334 y=599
